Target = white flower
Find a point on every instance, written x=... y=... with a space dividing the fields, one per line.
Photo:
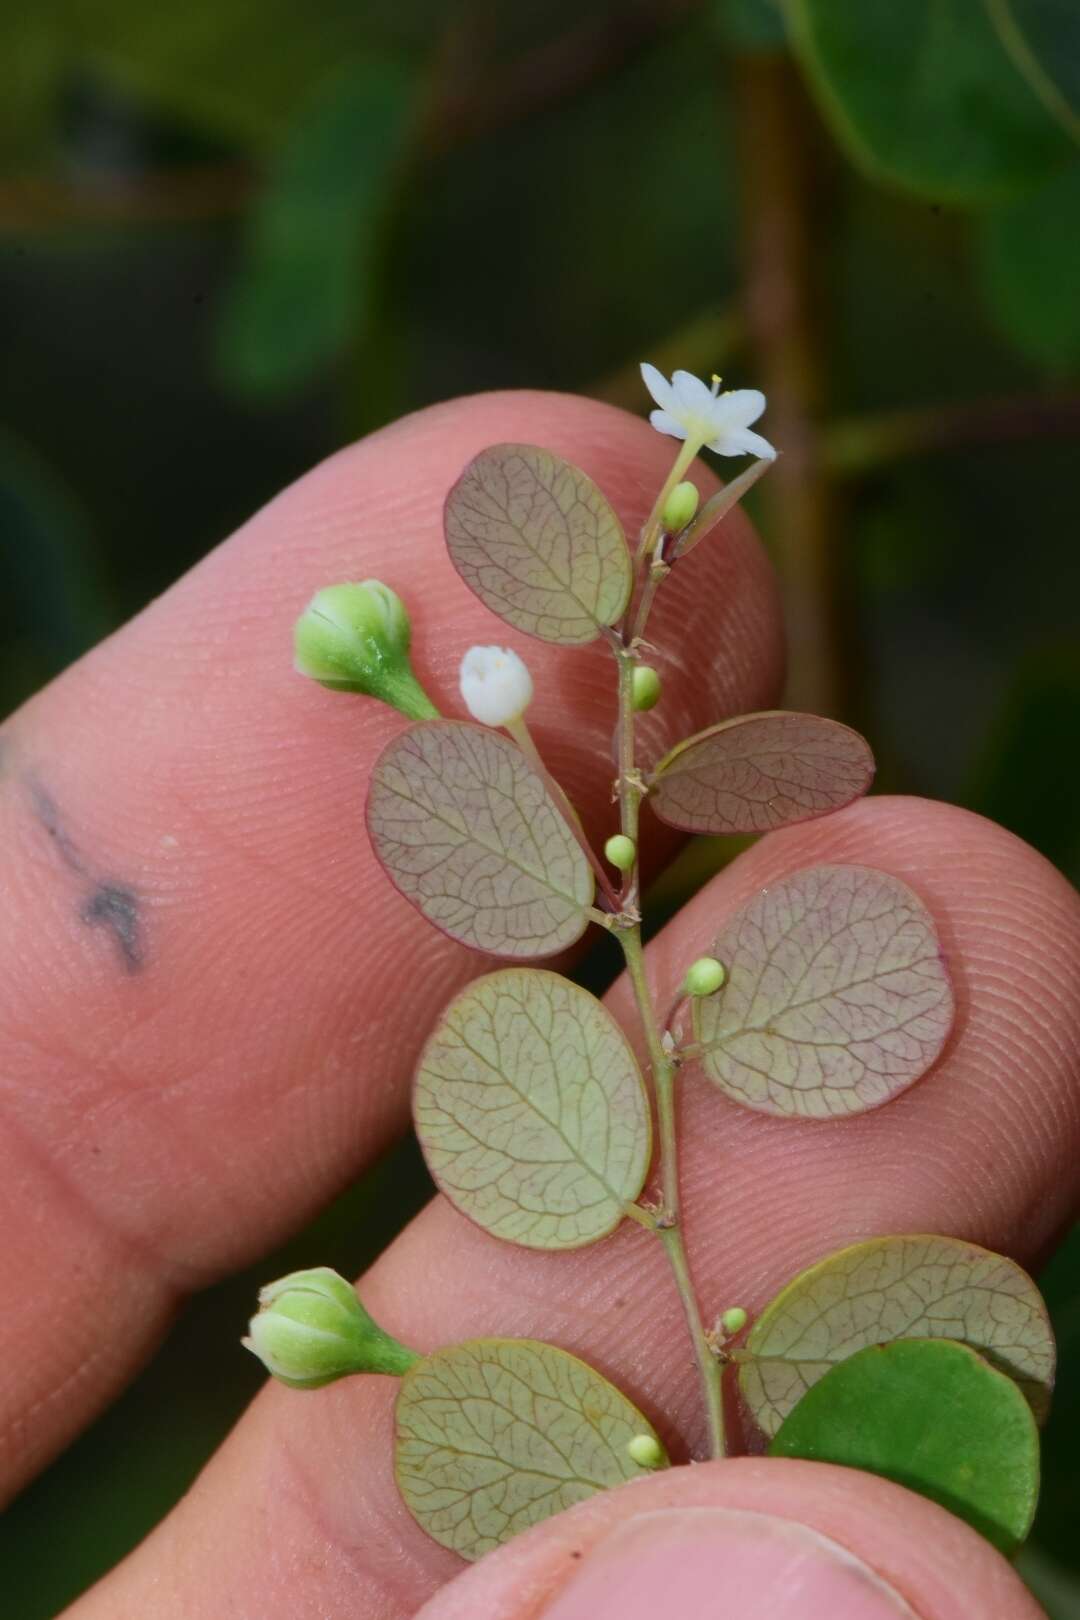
x=495 y=684
x=720 y=422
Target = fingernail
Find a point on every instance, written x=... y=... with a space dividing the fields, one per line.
x=704 y=1563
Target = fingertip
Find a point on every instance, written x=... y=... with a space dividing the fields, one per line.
x=753 y=1537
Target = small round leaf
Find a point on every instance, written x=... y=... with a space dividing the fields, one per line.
x=531 y=1110
x=469 y=833
x=837 y=995
x=538 y=543
x=759 y=772
x=934 y=1416
x=495 y=1435
x=896 y=1288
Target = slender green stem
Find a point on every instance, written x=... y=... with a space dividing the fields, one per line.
x=650 y=534
x=524 y=739
x=669 y=1224
x=658 y=572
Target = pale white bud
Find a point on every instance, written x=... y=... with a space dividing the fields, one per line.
x=495 y=684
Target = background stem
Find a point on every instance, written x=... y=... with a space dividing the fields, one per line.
x=781 y=230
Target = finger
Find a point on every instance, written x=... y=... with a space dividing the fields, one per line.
x=758 y=1539
x=211 y=996
x=984 y=1147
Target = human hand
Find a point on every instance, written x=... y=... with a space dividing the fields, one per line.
x=213 y=1001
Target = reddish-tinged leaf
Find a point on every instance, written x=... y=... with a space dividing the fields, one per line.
x=531 y=1110
x=538 y=543
x=470 y=834
x=837 y=996
x=912 y=1287
x=759 y=772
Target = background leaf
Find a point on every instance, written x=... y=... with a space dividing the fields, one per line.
x=538 y=543
x=761 y=771
x=837 y=996
x=925 y=95
x=897 y=1288
x=1029 y=262
x=469 y=833
x=314 y=235
x=531 y=1111
x=1042 y=38
x=497 y=1434
x=934 y=1416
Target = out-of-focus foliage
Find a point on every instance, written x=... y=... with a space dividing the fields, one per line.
x=233 y=235
x=1030 y=254
x=307 y=286
x=925 y=94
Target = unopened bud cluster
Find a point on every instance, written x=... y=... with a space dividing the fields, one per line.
x=355 y=638
x=311 y=1329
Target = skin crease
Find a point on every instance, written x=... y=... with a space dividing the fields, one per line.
x=176 y=1121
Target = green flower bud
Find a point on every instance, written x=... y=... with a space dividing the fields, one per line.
x=621 y=852
x=355 y=638
x=646 y=689
x=704 y=977
x=646 y=1451
x=311 y=1328
x=679 y=508
x=734 y=1320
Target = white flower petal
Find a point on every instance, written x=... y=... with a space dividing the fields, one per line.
x=658 y=386
x=692 y=394
x=665 y=423
x=741 y=442
x=495 y=684
x=742 y=406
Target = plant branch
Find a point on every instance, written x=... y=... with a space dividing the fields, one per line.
x=668 y=1226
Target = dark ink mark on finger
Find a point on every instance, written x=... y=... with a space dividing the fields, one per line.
x=46 y=811
x=108 y=904
x=114 y=906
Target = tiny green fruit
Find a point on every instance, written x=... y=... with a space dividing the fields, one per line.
x=646 y=1451
x=646 y=690
x=704 y=977
x=679 y=508
x=621 y=852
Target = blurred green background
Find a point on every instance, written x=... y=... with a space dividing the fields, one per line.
x=234 y=236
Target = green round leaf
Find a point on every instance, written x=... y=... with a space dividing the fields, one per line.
x=469 y=833
x=1028 y=258
x=495 y=1435
x=934 y=1416
x=837 y=995
x=759 y=772
x=896 y=1288
x=531 y=1111
x=538 y=543
x=924 y=94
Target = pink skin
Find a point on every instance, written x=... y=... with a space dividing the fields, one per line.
x=163 y=1126
x=761 y=1540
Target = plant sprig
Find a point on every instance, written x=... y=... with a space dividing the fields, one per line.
x=826 y=995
